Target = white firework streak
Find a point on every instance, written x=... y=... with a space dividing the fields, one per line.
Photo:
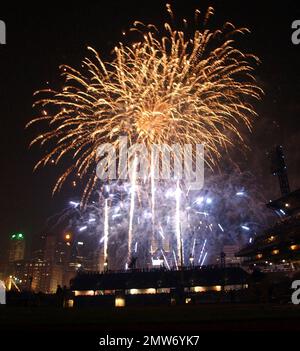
x=177 y=225
x=201 y=253
x=132 y=204
x=106 y=226
x=204 y=258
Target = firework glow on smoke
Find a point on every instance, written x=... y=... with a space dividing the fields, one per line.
x=229 y=210
x=168 y=87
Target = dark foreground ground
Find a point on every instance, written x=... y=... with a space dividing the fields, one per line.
x=188 y=318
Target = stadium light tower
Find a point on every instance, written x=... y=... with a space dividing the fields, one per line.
x=278 y=167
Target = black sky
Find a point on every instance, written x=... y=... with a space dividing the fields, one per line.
x=41 y=37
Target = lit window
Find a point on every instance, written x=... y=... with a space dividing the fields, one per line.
x=84 y=293
x=163 y=291
x=142 y=291
x=119 y=302
x=198 y=289
x=109 y=292
x=206 y=288
x=70 y=303
x=271 y=238
x=217 y=288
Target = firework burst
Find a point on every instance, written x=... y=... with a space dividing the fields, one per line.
x=229 y=210
x=166 y=88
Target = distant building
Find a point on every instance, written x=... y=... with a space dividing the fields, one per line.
x=17 y=248
x=54 y=261
x=50 y=248
x=3 y=269
x=38 y=275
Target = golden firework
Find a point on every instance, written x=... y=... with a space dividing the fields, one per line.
x=166 y=88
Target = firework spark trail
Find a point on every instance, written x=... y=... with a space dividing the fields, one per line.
x=106 y=230
x=175 y=260
x=204 y=258
x=161 y=233
x=219 y=225
x=132 y=204
x=152 y=195
x=165 y=260
x=182 y=252
x=177 y=224
x=193 y=249
x=202 y=250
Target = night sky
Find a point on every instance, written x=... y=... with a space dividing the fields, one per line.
x=41 y=38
